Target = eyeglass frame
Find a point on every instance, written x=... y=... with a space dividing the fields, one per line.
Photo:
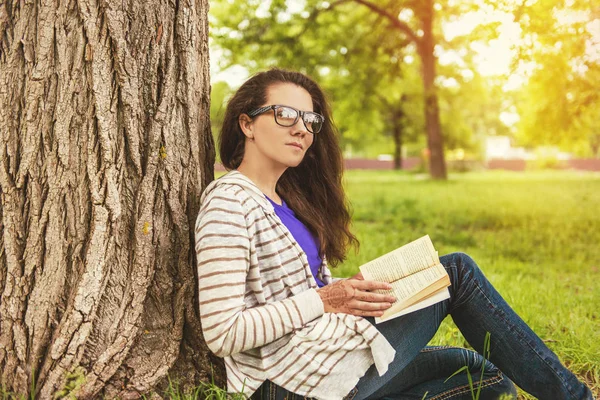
x=299 y=114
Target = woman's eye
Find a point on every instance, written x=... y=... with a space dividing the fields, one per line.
x=286 y=113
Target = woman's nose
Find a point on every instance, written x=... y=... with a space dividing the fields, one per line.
x=300 y=127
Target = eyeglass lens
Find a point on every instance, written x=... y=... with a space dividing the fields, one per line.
x=287 y=116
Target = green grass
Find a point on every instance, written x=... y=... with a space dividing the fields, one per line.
x=535 y=235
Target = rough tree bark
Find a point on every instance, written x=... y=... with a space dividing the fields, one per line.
x=105 y=146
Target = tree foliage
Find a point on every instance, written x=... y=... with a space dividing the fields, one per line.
x=372 y=73
x=560 y=103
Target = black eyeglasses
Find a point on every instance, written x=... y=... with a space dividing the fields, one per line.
x=288 y=116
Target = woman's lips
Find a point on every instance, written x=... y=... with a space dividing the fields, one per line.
x=298 y=145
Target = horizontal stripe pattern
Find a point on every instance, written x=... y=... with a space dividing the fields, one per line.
x=258 y=302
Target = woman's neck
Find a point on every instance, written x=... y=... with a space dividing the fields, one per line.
x=266 y=179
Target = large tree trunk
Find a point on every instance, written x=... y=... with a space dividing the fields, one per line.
x=105 y=146
x=437 y=163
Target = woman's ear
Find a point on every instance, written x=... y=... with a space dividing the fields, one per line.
x=246 y=125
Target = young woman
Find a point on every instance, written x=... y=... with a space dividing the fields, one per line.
x=265 y=234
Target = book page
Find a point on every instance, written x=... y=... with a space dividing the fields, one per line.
x=407 y=260
x=416 y=276
x=424 y=293
x=406 y=287
x=442 y=295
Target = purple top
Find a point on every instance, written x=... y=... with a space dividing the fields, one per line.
x=303 y=236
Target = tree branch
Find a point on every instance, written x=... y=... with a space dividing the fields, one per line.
x=314 y=14
x=396 y=23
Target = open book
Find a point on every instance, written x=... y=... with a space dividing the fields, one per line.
x=417 y=277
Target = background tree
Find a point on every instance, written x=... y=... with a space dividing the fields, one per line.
x=561 y=51
x=265 y=31
x=353 y=68
x=376 y=94
x=105 y=146
x=424 y=39
x=367 y=66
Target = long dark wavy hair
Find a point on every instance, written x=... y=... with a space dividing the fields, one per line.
x=313 y=189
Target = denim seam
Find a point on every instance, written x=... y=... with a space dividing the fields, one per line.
x=518 y=332
x=435 y=348
x=467 y=388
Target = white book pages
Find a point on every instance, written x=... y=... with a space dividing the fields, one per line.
x=436 y=298
x=406 y=260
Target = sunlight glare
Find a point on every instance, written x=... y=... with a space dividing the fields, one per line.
x=493 y=58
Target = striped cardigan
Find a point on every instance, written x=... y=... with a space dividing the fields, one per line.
x=259 y=307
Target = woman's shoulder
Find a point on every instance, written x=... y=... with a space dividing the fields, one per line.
x=234 y=198
x=231 y=205
x=225 y=192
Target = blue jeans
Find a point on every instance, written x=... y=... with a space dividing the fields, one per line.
x=517 y=354
x=476 y=308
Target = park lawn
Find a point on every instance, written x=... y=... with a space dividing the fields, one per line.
x=535 y=235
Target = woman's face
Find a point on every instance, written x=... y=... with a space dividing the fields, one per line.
x=274 y=145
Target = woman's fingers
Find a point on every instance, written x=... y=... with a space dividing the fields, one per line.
x=354 y=296
x=368 y=306
x=374 y=297
x=365 y=313
x=363 y=291
x=370 y=285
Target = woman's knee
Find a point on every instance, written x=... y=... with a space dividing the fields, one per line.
x=464 y=273
x=496 y=387
x=494 y=384
x=459 y=261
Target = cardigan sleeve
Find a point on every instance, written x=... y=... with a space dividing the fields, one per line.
x=223 y=260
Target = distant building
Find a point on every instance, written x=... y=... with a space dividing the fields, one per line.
x=499 y=147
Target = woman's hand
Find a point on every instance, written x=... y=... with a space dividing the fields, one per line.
x=353 y=296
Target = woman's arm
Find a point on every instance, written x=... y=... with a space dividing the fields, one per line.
x=223 y=254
